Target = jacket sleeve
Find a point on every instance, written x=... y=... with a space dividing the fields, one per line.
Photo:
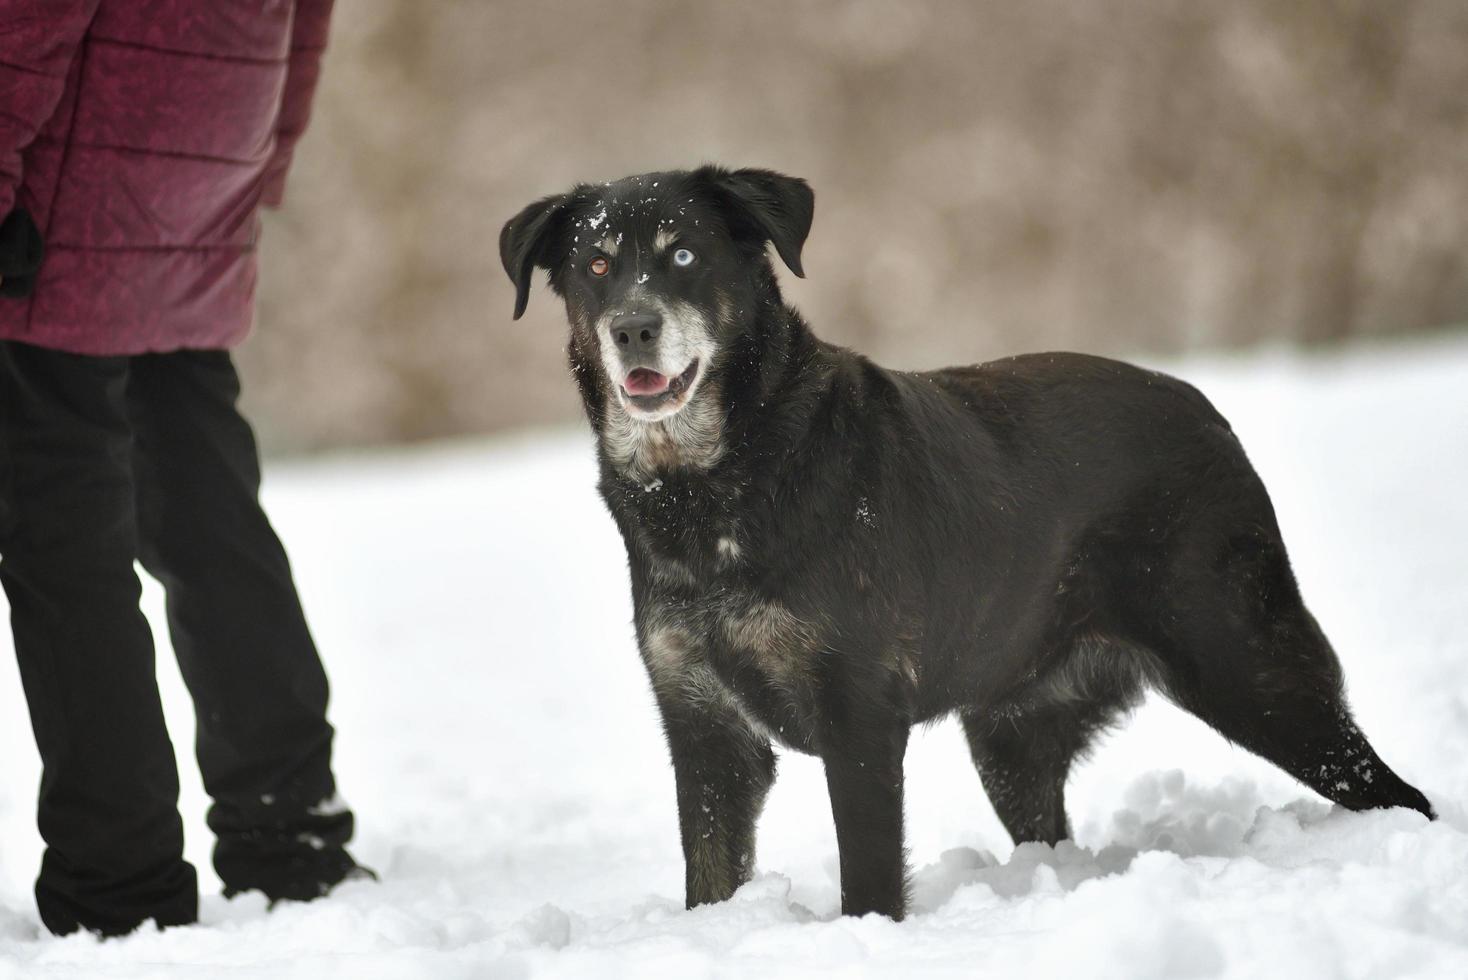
x=38 y=39
x=308 y=41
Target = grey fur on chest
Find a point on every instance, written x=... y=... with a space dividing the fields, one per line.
x=731 y=623
x=695 y=646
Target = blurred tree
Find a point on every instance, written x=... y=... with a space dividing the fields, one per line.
x=990 y=177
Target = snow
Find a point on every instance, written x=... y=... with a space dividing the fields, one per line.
x=499 y=744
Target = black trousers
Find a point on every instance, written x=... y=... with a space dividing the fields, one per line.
x=108 y=460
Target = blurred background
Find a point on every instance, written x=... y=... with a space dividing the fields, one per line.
x=1130 y=178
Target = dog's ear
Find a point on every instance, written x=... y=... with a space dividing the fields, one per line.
x=769 y=206
x=523 y=240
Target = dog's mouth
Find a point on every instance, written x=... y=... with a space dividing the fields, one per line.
x=649 y=392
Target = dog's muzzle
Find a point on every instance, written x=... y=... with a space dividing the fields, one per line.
x=653 y=368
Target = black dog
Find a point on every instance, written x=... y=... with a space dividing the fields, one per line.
x=824 y=553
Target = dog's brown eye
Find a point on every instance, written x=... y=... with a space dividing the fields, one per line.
x=599 y=266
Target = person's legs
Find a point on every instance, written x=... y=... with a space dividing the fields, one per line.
x=68 y=538
x=264 y=744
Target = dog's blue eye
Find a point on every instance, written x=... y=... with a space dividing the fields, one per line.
x=683 y=257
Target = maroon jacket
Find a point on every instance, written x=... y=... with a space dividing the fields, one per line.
x=141 y=136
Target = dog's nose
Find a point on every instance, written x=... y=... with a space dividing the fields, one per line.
x=636 y=333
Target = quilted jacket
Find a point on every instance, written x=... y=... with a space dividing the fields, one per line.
x=137 y=140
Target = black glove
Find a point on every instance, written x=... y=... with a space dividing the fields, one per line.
x=21 y=250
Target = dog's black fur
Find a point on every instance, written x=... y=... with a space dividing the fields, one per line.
x=825 y=553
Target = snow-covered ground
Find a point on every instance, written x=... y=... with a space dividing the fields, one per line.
x=498 y=740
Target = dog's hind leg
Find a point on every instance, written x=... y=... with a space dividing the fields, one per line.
x=1240 y=651
x=1024 y=749
x=1023 y=763
x=1282 y=698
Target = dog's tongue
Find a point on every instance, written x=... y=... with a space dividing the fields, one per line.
x=645 y=382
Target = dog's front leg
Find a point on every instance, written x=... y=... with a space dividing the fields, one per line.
x=723 y=769
x=864 y=777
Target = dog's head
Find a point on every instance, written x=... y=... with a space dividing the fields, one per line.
x=660 y=273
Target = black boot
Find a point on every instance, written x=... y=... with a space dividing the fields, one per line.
x=287 y=851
